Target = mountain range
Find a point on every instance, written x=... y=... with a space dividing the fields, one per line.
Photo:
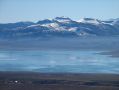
x=60 y=27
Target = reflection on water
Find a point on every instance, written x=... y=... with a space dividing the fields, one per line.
x=58 y=61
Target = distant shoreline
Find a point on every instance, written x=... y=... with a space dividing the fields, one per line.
x=113 y=53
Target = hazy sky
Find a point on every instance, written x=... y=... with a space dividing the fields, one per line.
x=34 y=10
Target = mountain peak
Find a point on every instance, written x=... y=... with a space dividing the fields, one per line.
x=45 y=21
x=62 y=19
x=89 y=20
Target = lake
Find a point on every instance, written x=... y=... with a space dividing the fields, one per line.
x=58 y=61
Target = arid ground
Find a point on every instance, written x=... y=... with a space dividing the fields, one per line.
x=64 y=81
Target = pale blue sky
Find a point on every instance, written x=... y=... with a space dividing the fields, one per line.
x=34 y=10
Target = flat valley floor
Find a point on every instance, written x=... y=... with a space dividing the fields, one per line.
x=58 y=81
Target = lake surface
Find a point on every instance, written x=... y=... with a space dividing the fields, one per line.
x=58 y=61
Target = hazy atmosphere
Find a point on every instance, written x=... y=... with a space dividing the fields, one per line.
x=59 y=44
x=34 y=10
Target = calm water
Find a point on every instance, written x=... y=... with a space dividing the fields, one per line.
x=58 y=61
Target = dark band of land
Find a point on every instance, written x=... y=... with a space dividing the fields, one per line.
x=58 y=81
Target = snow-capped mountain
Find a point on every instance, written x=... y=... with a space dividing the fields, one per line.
x=61 y=27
